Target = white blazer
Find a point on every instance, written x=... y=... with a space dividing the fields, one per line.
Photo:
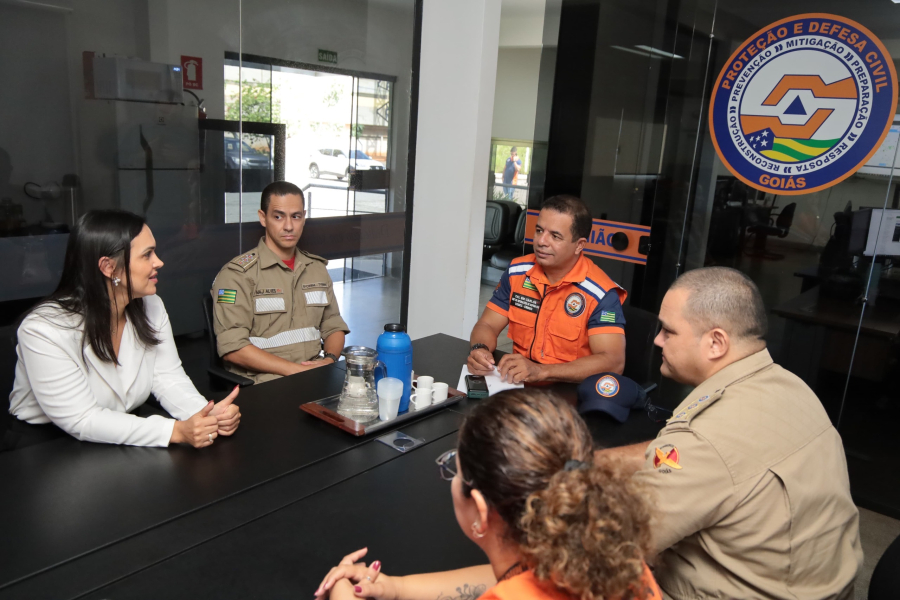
x=90 y=399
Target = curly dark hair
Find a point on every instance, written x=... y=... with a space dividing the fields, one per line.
x=586 y=529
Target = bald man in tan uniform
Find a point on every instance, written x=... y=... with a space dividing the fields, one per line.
x=749 y=476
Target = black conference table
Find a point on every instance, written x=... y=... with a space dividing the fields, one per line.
x=262 y=514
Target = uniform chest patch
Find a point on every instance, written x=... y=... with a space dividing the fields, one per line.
x=528 y=285
x=269 y=291
x=264 y=305
x=574 y=304
x=607 y=386
x=311 y=286
x=316 y=297
x=532 y=305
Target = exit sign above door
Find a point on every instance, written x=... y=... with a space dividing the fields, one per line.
x=328 y=56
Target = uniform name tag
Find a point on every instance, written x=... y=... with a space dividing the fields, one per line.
x=264 y=305
x=269 y=291
x=532 y=305
x=309 y=286
x=317 y=297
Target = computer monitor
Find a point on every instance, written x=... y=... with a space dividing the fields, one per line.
x=859 y=230
x=883 y=238
x=886 y=159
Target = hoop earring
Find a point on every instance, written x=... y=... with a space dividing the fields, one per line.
x=116 y=281
x=475 y=530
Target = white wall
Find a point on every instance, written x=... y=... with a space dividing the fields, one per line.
x=515 y=99
x=456 y=99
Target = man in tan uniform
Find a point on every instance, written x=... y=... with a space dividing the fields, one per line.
x=275 y=305
x=749 y=476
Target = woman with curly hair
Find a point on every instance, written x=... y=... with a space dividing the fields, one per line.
x=553 y=522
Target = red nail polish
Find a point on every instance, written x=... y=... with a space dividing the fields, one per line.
x=357 y=589
x=376 y=565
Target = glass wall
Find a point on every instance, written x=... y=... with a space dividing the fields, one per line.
x=183 y=112
x=629 y=132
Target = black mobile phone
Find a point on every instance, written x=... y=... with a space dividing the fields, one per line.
x=476 y=386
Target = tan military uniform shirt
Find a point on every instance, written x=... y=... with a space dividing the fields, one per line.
x=752 y=493
x=258 y=300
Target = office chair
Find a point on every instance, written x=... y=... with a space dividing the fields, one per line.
x=886 y=578
x=761 y=232
x=216 y=369
x=503 y=257
x=500 y=217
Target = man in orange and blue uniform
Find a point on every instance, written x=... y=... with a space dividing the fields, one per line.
x=564 y=313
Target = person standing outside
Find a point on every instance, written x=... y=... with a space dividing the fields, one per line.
x=275 y=307
x=511 y=172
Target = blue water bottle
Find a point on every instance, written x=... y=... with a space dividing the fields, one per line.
x=395 y=351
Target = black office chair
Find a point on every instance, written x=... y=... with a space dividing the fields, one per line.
x=216 y=369
x=640 y=329
x=500 y=218
x=762 y=231
x=886 y=578
x=503 y=257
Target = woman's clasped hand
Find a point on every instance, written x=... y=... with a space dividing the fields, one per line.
x=216 y=418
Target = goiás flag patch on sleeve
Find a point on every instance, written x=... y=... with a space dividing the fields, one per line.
x=226 y=297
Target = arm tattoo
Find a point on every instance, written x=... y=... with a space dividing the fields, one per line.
x=466 y=592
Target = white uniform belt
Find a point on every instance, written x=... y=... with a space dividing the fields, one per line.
x=286 y=338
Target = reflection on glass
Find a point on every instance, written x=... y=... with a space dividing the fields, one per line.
x=144 y=107
x=510 y=168
x=633 y=141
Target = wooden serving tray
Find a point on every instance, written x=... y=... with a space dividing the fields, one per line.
x=326 y=409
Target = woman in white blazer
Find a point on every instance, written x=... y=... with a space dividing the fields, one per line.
x=94 y=351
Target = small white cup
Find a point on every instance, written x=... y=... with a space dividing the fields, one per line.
x=390 y=390
x=421 y=399
x=424 y=382
x=439 y=392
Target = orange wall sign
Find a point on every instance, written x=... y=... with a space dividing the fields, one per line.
x=602 y=239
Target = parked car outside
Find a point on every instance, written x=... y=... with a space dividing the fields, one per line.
x=333 y=161
x=245 y=156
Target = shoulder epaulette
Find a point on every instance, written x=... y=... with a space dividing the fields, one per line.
x=314 y=256
x=694 y=408
x=244 y=261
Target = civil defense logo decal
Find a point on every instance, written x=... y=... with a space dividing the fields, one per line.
x=574 y=304
x=607 y=386
x=803 y=103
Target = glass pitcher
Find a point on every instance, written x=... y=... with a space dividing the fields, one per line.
x=359 y=400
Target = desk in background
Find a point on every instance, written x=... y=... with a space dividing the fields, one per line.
x=821 y=332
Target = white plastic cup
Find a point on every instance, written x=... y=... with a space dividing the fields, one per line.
x=423 y=382
x=390 y=389
x=439 y=392
x=421 y=399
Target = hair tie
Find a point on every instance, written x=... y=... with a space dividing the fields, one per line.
x=573 y=464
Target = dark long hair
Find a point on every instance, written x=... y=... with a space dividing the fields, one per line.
x=83 y=291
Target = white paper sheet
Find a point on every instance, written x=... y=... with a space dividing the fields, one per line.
x=494 y=383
